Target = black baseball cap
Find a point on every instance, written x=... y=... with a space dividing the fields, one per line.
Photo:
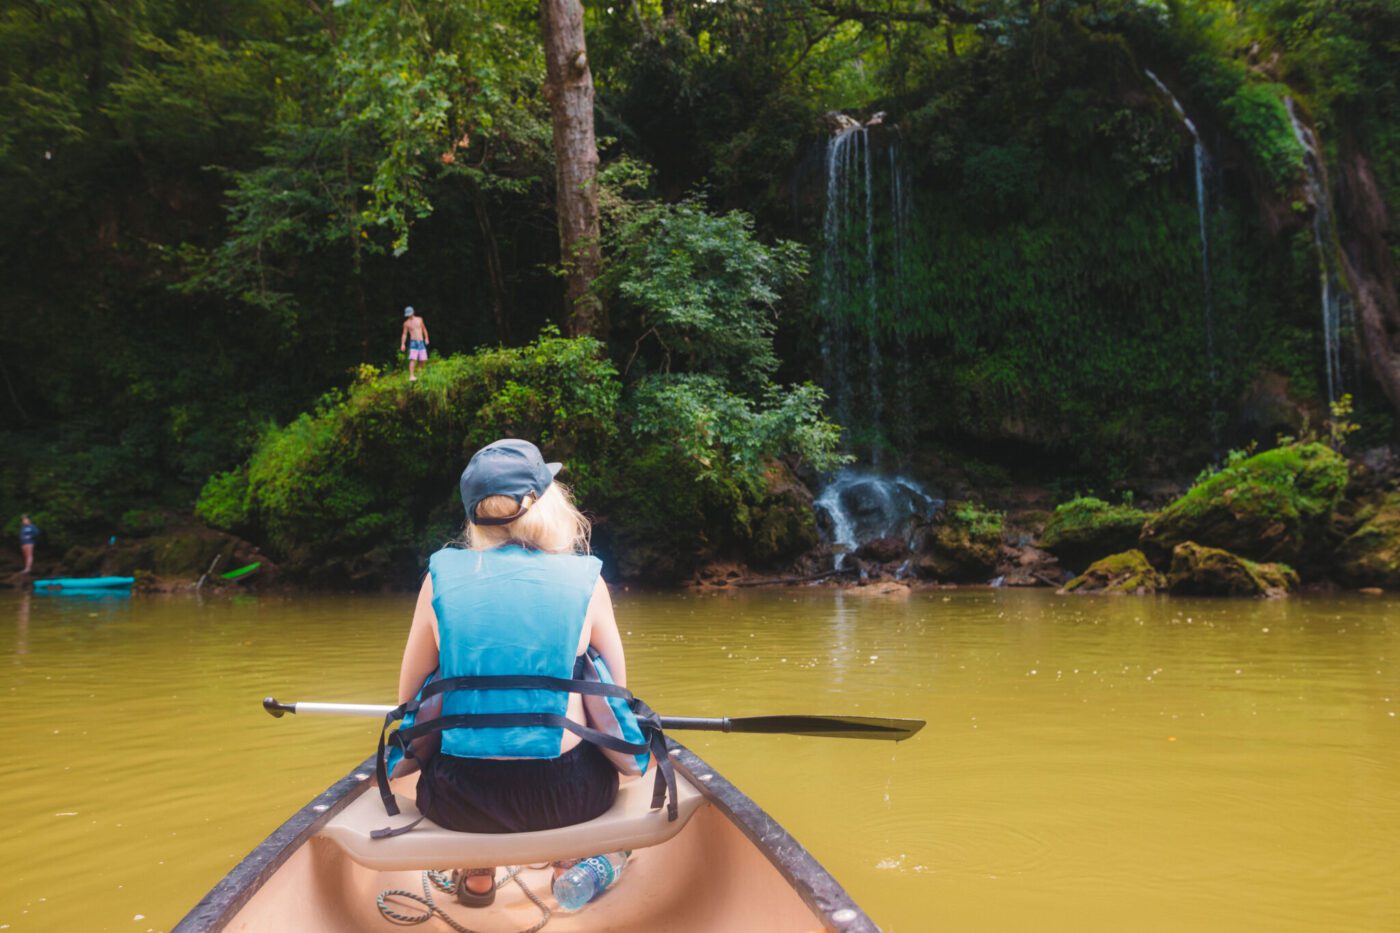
x=508 y=467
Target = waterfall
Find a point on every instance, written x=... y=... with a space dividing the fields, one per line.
x=835 y=337
x=857 y=267
x=1202 y=160
x=857 y=507
x=877 y=401
x=1337 y=311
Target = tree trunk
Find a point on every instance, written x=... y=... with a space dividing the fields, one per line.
x=495 y=276
x=569 y=89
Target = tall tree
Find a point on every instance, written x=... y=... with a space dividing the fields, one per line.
x=569 y=89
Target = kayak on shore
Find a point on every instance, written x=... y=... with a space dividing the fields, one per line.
x=84 y=583
x=724 y=865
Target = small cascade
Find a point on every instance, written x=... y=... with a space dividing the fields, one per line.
x=859 y=255
x=1337 y=311
x=835 y=334
x=1202 y=211
x=858 y=506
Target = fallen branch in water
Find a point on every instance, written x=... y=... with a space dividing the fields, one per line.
x=785 y=581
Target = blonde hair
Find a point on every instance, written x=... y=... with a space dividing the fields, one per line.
x=553 y=523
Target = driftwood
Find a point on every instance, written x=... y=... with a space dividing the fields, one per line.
x=786 y=581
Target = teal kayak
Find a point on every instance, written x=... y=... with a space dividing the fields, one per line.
x=84 y=583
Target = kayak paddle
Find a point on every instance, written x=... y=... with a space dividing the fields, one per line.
x=834 y=727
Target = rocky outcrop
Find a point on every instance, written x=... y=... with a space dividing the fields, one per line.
x=1206 y=571
x=1271 y=506
x=1127 y=573
x=1370 y=555
x=1085 y=529
x=783 y=525
x=961 y=545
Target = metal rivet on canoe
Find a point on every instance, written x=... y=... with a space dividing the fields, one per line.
x=844 y=915
x=362 y=777
x=321 y=808
x=675 y=753
x=706 y=777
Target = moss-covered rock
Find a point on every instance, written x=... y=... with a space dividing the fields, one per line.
x=783 y=525
x=1370 y=555
x=1117 y=574
x=961 y=545
x=1271 y=506
x=1085 y=529
x=1206 y=571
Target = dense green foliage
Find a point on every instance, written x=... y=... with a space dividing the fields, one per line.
x=359 y=490
x=217 y=212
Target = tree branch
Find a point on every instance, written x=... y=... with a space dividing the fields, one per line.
x=939 y=14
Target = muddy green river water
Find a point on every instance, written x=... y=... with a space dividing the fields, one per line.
x=1088 y=764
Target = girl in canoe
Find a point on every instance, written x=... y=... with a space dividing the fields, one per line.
x=523 y=597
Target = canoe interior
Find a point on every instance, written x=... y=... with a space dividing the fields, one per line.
x=708 y=878
x=731 y=869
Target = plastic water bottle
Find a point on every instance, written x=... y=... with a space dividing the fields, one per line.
x=588 y=879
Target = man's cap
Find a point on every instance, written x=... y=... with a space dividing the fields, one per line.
x=408 y=312
x=508 y=467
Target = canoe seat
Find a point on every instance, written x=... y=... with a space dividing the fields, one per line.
x=629 y=824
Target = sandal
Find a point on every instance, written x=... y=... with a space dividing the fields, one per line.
x=465 y=895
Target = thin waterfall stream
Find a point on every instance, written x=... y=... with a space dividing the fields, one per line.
x=1337 y=311
x=865 y=232
x=1202 y=173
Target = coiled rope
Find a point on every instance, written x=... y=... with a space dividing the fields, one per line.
x=443 y=882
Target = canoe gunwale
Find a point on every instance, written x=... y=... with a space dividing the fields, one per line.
x=813 y=883
x=816 y=887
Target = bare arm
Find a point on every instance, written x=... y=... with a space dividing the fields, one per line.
x=420 y=655
x=604 y=635
x=403 y=337
x=425 y=333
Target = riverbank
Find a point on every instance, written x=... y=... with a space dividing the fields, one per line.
x=1298 y=518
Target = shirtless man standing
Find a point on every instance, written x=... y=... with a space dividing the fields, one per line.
x=414 y=338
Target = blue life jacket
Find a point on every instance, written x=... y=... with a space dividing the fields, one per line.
x=509 y=624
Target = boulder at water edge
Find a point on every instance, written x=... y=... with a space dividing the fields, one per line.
x=1208 y=571
x=1118 y=574
x=1370 y=555
x=1272 y=506
x=961 y=545
x=1085 y=529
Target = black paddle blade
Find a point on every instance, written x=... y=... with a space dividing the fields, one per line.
x=835 y=727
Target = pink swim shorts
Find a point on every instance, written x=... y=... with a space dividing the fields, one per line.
x=421 y=355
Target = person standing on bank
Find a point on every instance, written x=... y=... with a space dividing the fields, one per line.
x=28 y=534
x=414 y=338
x=523 y=597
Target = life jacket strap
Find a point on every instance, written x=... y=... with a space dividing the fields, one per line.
x=524 y=682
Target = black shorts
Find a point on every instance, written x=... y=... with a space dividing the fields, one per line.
x=489 y=795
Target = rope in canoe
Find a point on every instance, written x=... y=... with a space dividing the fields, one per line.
x=441 y=881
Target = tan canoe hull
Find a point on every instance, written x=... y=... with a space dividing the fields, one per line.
x=730 y=868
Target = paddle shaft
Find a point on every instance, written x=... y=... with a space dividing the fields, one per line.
x=855 y=727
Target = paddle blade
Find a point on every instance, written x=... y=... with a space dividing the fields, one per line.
x=836 y=727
